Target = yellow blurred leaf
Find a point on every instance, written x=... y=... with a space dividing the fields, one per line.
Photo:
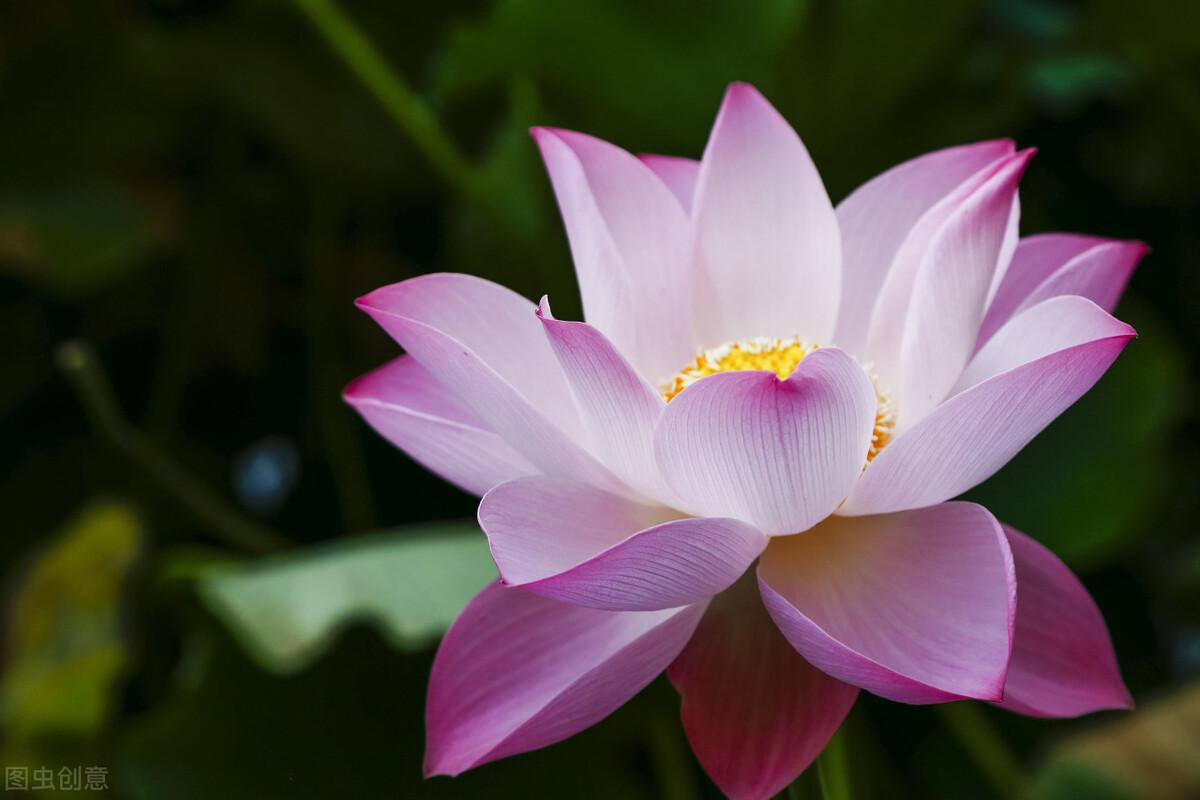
x=1153 y=754
x=63 y=638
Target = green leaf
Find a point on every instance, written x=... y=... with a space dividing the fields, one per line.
x=64 y=649
x=75 y=240
x=286 y=609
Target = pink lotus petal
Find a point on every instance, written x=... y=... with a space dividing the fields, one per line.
x=486 y=346
x=950 y=294
x=1008 y=247
x=629 y=239
x=1054 y=324
x=679 y=175
x=1098 y=272
x=755 y=712
x=580 y=545
x=893 y=304
x=767 y=239
x=974 y=433
x=916 y=606
x=620 y=410
x=780 y=455
x=1035 y=259
x=877 y=216
x=408 y=407
x=517 y=672
x=1062 y=661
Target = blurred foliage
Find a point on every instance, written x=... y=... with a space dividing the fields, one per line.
x=65 y=648
x=285 y=610
x=1148 y=755
x=201 y=187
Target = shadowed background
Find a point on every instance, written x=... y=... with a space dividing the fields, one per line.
x=192 y=193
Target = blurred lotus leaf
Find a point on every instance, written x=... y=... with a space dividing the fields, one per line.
x=75 y=240
x=285 y=610
x=1150 y=755
x=64 y=650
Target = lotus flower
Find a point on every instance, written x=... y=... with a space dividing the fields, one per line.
x=767 y=381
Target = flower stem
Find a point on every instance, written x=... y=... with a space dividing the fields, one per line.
x=833 y=769
x=405 y=108
x=81 y=366
x=672 y=763
x=987 y=749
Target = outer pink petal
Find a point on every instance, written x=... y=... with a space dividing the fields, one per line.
x=889 y=317
x=1099 y=272
x=580 y=545
x=974 y=433
x=950 y=294
x=917 y=606
x=1048 y=327
x=1062 y=662
x=877 y=217
x=679 y=174
x=778 y=454
x=485 y=344
x=629 y=239
x=767 y=238
x=619 y=409
x=517 y=672
x=755 y=712
x=408 y=407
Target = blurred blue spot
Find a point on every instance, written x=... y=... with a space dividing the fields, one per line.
x=1185 y=652
x=265 y=473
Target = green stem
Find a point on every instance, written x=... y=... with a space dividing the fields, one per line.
x=407 y=110
x=340 y=437
x=81 y=366
x=986 y=748
x=833 y=769
x=672 y=763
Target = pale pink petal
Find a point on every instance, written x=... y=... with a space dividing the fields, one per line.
x=1054 y=324
x=619 y=409
x=780 y=455
x=950 y=294
x=755 y=712
x=630 y=242
x=893 y=304
x=768 y=247
x=485 y=344
x=517 y=672
x=916 y=606
x=1035 y=259
x=1062 y=661
x=1008 y=248
x=974 y=433
x=580 y=545
x=679 y=174
x=877 y=217
x=408 y=407
x=1099 y=273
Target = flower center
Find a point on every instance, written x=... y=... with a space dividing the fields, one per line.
x=780 y=356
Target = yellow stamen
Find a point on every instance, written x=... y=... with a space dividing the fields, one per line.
x=780 y=356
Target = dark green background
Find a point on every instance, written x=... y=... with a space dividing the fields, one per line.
x=198 y=189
